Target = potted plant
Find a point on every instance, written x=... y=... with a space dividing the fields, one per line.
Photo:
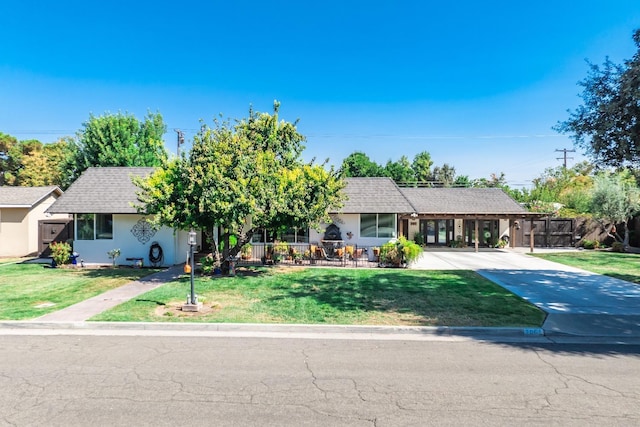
x=246 y=251
x=376 y=253
x=281 y=248
x=399 y=252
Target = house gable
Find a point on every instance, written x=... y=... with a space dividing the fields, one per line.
x=26 y=197
x=102 y=190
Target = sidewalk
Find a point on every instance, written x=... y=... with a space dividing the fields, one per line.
x=85 y=310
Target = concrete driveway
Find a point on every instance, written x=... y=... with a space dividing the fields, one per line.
x=576 y=301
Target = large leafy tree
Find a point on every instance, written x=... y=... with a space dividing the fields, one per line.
x=607 y=124
x=118 y=140
x=8 y=165
x=421 y=166
x=400 y=171
x=242 y=177
x=32 y=163
x=616 y=198
x=358 y=164
x=572 y=187
x=444 y=176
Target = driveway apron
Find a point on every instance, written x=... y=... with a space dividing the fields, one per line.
x=576 y=301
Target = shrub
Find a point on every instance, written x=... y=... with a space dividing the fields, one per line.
x=281 y=247
x=60 y=252
x=399 y=252
x=418 y=238
x=210 y=263
x=458 y=243
x=114 y=254
x=617 y=247
x=590 y=244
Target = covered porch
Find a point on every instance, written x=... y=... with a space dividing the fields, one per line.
x=468 y=230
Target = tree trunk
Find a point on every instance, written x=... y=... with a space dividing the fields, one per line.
x=625 y=242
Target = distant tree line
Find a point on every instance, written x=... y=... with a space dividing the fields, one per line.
x=109 y=140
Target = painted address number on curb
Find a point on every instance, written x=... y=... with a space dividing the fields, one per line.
x=533 y=331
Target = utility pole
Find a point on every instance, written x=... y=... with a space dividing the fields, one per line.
x=180 y=139
x=565 y=151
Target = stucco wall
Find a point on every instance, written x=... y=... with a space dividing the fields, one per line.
x=14 y=232
x=348 y=223
x=19 y=228
x=174 y=245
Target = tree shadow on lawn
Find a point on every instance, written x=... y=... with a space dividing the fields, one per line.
x=433 y=300
x=633 y=278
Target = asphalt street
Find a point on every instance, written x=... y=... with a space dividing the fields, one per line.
x=169 y=380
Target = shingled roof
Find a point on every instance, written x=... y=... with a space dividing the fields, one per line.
x=110 y=190
x=25 y=197
x=374 y=195
x=462 y=201
x=101 y=190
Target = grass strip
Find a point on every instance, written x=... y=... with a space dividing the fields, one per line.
x=28 y=291
x=336 y=296
x=623 y=266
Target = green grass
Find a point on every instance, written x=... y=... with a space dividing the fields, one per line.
x=337 y=296
x=613 y=264
x=25 y=286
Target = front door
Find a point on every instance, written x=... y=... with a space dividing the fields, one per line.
x=437 y=231
x=488 y=230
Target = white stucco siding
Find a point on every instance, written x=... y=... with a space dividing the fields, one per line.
x=174 y=244
x=348 y=223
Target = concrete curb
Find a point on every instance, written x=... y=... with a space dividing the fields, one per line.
x=316 y=332
x=438 y=330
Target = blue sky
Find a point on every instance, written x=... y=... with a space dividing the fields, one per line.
x=476 y=84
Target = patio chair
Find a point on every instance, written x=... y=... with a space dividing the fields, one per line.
x=321 y=253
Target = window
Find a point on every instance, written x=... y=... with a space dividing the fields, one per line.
x=104 y=226
x=378 y=225
x=84 y=227
x=94 y=226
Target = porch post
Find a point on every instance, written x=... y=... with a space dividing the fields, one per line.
x=477 y=238
x=512 y=233
x=531 y=237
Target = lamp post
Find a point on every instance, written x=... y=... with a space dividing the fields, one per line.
x=192 y=243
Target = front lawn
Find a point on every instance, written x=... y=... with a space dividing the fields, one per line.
x=31 y=290
x=336 y=296
x=613 y=264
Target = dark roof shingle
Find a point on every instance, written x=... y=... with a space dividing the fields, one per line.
x=462 y=201
x=25 y=196
x=102 y=190
x=374 y=195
